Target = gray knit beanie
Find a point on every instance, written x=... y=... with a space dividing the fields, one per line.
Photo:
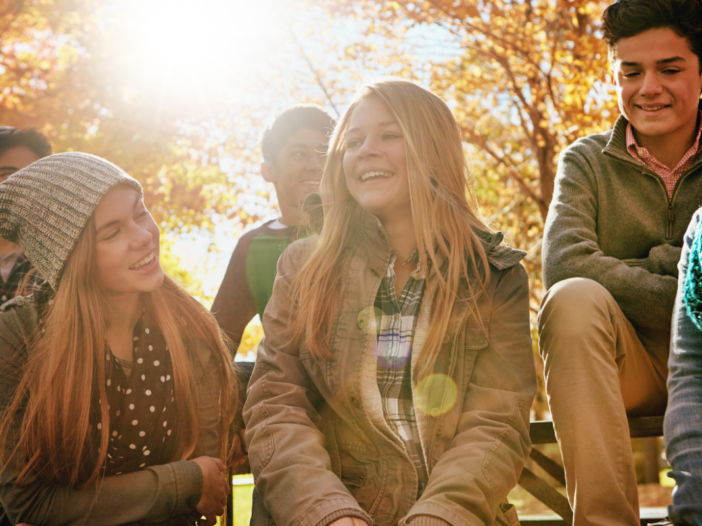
x=45 y=206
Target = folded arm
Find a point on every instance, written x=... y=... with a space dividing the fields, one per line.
x=151 y=495
x=571 y=250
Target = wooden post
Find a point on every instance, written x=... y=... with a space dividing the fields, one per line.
x=651 y=447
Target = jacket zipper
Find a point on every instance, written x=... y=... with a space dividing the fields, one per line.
x=671 y=212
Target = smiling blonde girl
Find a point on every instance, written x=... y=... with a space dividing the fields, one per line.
x=394 y=382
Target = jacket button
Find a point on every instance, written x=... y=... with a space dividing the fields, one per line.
x=447 y=338
x=355 y=401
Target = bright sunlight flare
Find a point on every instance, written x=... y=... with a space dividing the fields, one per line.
x=183 y=48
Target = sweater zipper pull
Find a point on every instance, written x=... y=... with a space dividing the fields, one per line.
x=671 y=218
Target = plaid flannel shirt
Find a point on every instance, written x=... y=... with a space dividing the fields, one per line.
x=670 y=177
x=396 y=321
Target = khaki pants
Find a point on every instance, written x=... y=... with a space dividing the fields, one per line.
x=599 y=369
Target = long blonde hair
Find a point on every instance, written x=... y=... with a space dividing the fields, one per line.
x=444 y=220
x=46 y=428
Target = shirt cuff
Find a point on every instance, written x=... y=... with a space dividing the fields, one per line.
x=427 y=520
x=188 y=480
x=343 y=512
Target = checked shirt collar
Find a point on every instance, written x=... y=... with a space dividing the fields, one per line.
x=670 y=177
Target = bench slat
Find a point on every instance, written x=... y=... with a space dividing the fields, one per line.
x=546 y=494
x=648 y=426
x=551 y=467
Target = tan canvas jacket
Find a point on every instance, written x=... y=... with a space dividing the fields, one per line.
x=319 y=446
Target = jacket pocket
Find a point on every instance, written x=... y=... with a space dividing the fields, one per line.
x=353 y=478
x=475 y=336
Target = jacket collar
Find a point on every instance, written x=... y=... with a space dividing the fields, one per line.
x=617 y=141
x=370 y=229
x=499 y=256
x=616 y=146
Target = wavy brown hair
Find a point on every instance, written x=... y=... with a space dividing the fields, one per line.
x=443 y=210
x=46 y=429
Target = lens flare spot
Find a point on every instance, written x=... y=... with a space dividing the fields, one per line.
x=367 y=319
x=436 y=394
x=392 y=350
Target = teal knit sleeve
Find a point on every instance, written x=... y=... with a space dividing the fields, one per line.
x=693 y=281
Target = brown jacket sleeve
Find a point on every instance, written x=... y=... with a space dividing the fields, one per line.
x=286 y=448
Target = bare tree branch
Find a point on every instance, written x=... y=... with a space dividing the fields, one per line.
x=476 y=139
x=531 y=135
x=314 y=71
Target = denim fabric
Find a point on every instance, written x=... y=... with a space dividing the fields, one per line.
x=683 y=419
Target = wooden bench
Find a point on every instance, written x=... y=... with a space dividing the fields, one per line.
x=543 y=433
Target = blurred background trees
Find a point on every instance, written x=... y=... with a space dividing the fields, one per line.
x=177 y=94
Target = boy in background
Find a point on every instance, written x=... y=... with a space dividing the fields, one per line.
x=18 y=148
x=294 y=149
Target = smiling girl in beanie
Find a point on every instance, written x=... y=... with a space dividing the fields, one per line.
x=116 y=389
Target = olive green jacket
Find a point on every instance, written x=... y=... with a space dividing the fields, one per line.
x=153 y=495
x=319 y=445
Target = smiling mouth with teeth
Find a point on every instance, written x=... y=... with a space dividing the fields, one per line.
x=652 y=108
x=144 y=262
x=311 y=182
x=375 y=175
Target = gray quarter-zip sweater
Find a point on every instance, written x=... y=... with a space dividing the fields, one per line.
x=611 y=221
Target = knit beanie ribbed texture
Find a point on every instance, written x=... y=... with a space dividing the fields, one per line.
x=45 y=206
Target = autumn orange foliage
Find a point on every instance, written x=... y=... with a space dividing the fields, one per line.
x=524 y=78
